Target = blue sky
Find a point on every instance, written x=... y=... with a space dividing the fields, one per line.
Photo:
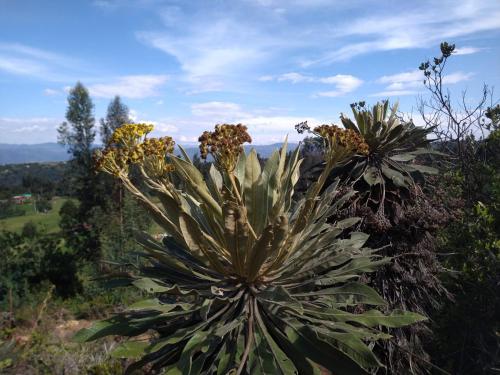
x=187 y=65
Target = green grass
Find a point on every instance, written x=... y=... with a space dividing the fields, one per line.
x=48 y=222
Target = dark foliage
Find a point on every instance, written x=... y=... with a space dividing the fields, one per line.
x=467 y=340
x=78 y=135
x=28 y=261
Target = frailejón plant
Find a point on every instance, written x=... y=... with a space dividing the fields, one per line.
x=246 y=281
x=388 y=166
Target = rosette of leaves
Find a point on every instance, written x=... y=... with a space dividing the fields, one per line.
x=389 y=166
x=246 y=281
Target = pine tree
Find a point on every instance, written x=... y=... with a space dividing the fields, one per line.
x=117 y=115
x=78 y=134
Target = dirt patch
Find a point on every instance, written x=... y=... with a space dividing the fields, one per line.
x=65 y=330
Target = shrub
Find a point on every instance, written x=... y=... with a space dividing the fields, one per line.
x=467 y=327
x=30 y=261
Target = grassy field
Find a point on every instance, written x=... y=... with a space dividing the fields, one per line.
x=48 y=222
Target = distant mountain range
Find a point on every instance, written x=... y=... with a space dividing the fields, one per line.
x=54 y=152
x=37 y=153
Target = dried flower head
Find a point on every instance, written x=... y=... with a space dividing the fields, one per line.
x=158 y=146
x=341 y=142
x=154 y=151
x=225 y=144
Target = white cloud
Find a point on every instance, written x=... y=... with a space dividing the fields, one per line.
x=15 y=121
x=22 y=66
x=134 y=86
x=266 y=78
x=418 y=27
x=224 y=111
x=29 y=130
x=395 y=93
x=344 y=83
x=409 y=83
x=163 y=126
x=456 y=77
x=37 y=53
x=185 y=139
x=20 y=59
x=219 y=47
x=466 y=50
x=51 y=92
x=210 y=53
x=271 y=129
x=133 y=114
x=411 y=76
x=295 y=78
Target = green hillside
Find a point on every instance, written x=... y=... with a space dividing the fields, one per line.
x=48 y=222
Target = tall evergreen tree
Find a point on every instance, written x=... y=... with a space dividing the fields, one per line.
x=117 y=115
x=78 y=134
x=78 y=131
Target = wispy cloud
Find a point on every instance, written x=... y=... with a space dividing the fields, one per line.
x=423 y=27
x=29 y=130
x=134 y=87
x=456 y=77
x=266 y=78
x=467 y=50
x=295 y=78
x=209 y=54
x=217 y=46
x=20 y=59
x=225 y=111
x=344 y=83
x=51 y=92
x=411 y=82
x=393 y=93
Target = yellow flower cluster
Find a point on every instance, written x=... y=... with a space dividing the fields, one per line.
x=130 y=133
x=225 y=144
x=342 y=141
x=111 y=160
x=128 y=146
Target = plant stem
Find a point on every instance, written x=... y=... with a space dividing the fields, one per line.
x=249 y=339
x=240 y=201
